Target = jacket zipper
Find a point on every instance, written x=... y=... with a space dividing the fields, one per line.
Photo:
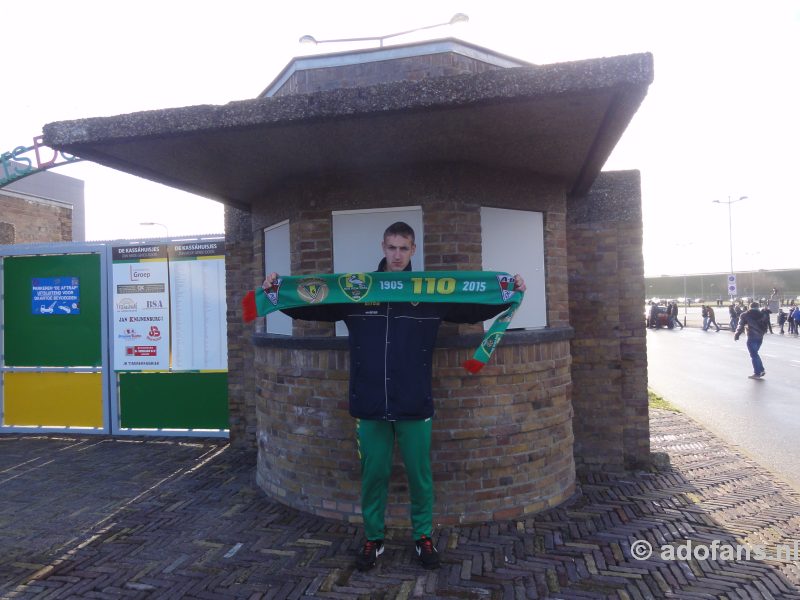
x=386 y=366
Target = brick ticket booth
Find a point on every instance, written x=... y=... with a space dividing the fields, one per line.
x=496 y=164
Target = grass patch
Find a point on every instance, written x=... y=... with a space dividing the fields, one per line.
x=657 y=401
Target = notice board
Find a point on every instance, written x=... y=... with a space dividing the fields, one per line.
x=52 y=310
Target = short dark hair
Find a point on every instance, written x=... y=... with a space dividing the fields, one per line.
x=754 y=305
x=399 y=228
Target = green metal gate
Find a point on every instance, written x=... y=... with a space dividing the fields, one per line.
x=53 y=364
x=127 y=338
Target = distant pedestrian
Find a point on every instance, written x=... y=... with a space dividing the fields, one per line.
x=673 y=315
x=781 y=319
x=767 y=312
x=754 y=321
x=652 y=315
x=796 y=319
x=711 y=318
x=739 y=309
x=734 y=316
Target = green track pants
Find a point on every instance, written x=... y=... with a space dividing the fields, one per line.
x=375 y=446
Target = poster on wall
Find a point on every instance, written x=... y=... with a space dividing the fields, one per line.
x=55 y=296
x=197 y=306
x=141 y=308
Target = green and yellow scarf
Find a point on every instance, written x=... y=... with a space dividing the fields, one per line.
x=475 y=287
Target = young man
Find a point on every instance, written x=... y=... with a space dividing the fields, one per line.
x=712 y=319
x=673 y=315
x=391 y=348
x=754 y=321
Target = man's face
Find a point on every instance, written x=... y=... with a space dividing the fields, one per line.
x=398 y=251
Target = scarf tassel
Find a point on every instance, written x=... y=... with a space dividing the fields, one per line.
x=472 y=365
x=249 y=308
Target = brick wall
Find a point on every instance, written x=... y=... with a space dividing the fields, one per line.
x=502 y=444
x=413 y=68
x=555 y=260
x=606 y=295
x=7 y=233
x=453 y=237
x=502 y=439
x=242 y=250
x=311 y=241
x=36 y=221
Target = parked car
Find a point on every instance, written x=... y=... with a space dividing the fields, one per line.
x=657 y=316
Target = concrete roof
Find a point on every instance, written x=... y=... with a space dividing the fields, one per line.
x=560 y=121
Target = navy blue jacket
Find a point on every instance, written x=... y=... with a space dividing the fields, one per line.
x=391 y=348
x=756 y=323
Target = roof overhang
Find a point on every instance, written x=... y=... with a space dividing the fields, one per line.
x=559 y=121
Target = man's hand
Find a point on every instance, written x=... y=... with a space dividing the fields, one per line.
x=736 y=338
x=269 y=281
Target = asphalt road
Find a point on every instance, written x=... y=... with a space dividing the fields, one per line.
x=704 y=373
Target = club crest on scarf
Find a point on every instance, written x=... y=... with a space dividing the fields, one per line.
x=312 y=290
x=506 y=286
x=490 y=343
x=355 y=286
x=273 y=291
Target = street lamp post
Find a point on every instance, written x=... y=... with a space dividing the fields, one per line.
x=684 y=252
x=753 y=276
x=456 y=18
x=730 y=226
x=685 y=300
x=150 y=223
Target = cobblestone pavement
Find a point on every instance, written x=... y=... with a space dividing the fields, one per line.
x=87 y=517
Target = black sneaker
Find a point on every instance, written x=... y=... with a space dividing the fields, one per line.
x=428 y=554
x=369 y=555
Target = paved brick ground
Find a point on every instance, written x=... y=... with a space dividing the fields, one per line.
x=86 y=517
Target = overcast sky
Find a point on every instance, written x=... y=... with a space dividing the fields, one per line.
x=720 y=121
